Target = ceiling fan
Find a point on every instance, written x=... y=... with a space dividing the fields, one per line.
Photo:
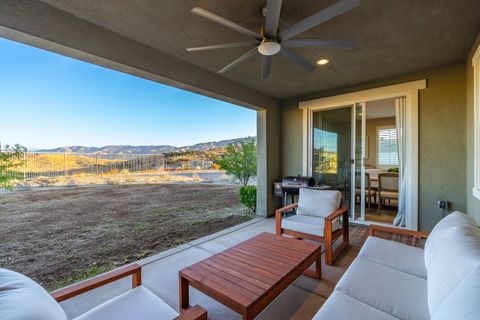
x=271 y=41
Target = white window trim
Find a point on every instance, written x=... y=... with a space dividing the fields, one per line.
x=476 y=108
x=383 y=166
x=410 y=91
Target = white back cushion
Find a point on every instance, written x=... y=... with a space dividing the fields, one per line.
x=318 y=203
x=463 y=302
x=435 y=238
x=21 y=298
x=453 y=261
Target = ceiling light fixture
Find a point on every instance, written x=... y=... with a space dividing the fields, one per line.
x=322 y=61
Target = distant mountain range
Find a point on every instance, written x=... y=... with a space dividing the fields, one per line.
x=204 y=146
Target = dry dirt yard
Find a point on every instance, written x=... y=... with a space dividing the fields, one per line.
x=59 y=236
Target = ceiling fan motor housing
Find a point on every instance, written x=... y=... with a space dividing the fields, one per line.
x=269 y=47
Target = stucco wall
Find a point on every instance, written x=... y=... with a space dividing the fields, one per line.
x=442 y=137
x=473 y=204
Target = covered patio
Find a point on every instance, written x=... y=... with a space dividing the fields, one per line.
x=421 y=58
x=160 y=274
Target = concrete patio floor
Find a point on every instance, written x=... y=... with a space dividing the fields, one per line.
x=299 y=301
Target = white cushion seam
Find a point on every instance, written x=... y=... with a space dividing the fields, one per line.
x=367 y=304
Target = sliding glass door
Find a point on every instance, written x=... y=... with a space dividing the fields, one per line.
x=365 y=144
x=338 y=154
x=332 y=149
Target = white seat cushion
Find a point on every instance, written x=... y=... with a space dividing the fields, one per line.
x=457 y=258
x=340 y=306
x=138 y=303
x=308 y=224
x=395 y=255
x=397 y=293
x=318 y=203
x=463 y=302
x=389 y=194
x=21 y=298
x=435 y=238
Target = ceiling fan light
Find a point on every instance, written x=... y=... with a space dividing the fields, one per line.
x=269 y=48
x=323 y=61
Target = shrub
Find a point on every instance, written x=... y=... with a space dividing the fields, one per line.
x=248 y=197
x=10 y=158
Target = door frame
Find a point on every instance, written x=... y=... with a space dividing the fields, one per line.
x=410 y=91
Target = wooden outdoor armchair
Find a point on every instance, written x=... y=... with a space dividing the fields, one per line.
x=134 y=270
x=328 y=236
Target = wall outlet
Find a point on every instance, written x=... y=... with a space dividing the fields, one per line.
x=442 y=204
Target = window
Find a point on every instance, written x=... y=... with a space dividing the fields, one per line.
x=387 y=152
x=476 y=104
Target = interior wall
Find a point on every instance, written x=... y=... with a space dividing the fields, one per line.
x=371 y=136
x=473 y=204
x=442 y=137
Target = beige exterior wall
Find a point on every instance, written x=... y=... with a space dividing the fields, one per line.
x=442 y=137
x=473 y=204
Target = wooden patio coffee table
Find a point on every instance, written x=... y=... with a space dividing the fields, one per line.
x=250 y=275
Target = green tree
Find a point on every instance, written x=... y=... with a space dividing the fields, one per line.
x=240 y=160
x=10 y=158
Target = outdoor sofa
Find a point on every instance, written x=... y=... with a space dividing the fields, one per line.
x=21 y=298
x=389 y=280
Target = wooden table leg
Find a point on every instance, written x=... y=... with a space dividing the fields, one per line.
x=317 y=274
x=184 y=285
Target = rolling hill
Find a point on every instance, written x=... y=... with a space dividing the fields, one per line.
x=126 y=149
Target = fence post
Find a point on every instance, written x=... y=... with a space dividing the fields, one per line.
x=96 y=161
x=24 y=166
x=64 y=163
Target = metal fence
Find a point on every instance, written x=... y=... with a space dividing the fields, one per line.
x=50 y=165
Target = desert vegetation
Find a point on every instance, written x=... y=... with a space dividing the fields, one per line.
x=240 y=161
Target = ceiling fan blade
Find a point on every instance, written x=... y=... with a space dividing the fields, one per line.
x=319 y=17
x=316 y=43
x=225 y=22
x=266 y=63
x=295 y=58
x=242 y=58
x=224 y=46
x=272 y=18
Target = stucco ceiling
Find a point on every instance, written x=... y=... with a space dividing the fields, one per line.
x=393 y=37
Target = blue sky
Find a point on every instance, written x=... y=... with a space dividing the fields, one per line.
x=48 y=100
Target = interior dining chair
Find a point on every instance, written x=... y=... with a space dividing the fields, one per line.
x=387 y=188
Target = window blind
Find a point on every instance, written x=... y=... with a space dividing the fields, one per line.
x=387 y=147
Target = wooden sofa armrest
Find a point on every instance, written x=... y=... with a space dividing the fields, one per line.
x=279 y=215
x=337 y=213
x=416 y=234
x=194 y=313
x=134 y=270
